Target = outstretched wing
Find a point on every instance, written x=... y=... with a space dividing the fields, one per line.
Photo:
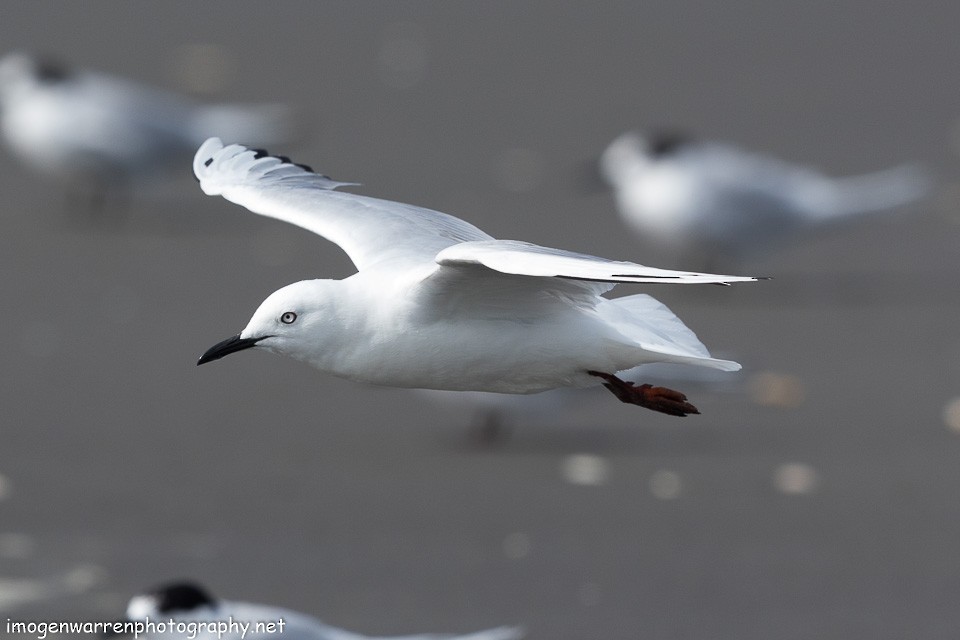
x=519 y=281
x=525 y=259
x=373 y=231
x=369 y=230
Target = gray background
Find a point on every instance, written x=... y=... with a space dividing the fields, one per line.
x=123 y=464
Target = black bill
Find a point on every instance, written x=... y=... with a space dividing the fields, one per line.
x=228 y=346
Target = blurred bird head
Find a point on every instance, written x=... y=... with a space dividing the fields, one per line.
x=634 y=151
x=169 y=598
x=20 y=71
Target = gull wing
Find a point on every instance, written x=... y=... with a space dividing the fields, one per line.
x=525 y=259
x=518 y=281
x=369 y=230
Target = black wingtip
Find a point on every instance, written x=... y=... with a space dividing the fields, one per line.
x=263 y=153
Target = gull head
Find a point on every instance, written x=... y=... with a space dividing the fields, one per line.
x=622 y=158
x=633 y=152
x=291 y=321
x=20 y=71
x=169 y=598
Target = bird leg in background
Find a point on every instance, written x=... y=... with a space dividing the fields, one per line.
x=657 y=398
x=489 y=429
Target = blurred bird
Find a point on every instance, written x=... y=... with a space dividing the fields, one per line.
x=187 y=602
x=722 y=203
x=439 y=304
x=101 y=134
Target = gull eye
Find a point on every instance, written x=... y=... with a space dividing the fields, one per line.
x=288 y=318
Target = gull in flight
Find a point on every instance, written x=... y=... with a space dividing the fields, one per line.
x=717 y=201
x=186 y=602
x=437 y=303
x=99 y=133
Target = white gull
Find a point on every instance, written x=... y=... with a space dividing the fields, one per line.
x=439 y=304
x=203 y=617
x=97 y=132
x=721 y=202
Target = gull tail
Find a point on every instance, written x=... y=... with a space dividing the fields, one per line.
x=649 y=324
x=878 y=191
x=254 y=124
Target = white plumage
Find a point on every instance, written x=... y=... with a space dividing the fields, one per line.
x=101 y=132
x=193 y=609
x=724 y=203
x=438 y=303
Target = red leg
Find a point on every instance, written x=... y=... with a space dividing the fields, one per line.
x=657 y=398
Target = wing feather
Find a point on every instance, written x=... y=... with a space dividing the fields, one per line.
x=377 y=232
x=369 y=230
x=522 y=258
